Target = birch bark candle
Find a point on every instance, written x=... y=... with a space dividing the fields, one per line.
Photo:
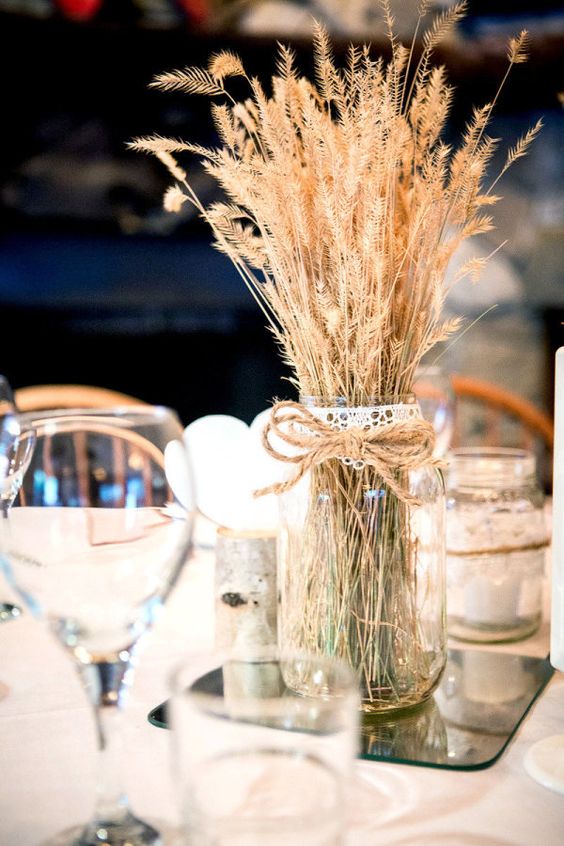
x=557 y=589
x=229 y=463
x=245 y=589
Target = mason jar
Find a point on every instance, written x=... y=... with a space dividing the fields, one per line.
x=362 y=572
x=496 y=539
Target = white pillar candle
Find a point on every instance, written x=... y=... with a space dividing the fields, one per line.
x=493 y=600
x=557 y=574
x=544 y=760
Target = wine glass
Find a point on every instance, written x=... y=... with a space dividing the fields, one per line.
x=16 y=446
x=94 y=543
x=9 y=430
x=435 y=395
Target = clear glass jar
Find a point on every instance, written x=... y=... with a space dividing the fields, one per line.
x=361 y=572
x=496 y=539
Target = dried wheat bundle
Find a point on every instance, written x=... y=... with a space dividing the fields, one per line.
x=343 y=203
x=343 y=206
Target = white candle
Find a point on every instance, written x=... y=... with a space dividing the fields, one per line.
x=557 y=577
x=544 y=760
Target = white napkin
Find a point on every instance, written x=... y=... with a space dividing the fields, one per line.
x=229 y=463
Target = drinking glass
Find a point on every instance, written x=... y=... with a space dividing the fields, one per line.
x=94 y=543
x=257 y=763
x=435 y=394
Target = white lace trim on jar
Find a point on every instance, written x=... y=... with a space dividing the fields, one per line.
x=367 y=417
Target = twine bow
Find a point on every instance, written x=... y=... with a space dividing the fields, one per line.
x=397 y=445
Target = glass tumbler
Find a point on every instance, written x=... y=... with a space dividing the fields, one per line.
x=257 y=763
x=496 y=540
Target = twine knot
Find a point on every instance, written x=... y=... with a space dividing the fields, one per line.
x=354 y=444
x=389 y=447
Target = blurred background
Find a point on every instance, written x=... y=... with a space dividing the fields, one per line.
x=99 y=285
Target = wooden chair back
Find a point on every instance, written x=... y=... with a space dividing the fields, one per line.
x=487 y=414
x=43 y=397
x=506 y=418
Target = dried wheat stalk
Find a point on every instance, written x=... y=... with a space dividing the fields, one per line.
x=343 y=205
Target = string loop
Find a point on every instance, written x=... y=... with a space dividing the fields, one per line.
x=396 y=445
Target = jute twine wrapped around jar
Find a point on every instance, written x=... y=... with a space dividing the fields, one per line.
x=387 y=446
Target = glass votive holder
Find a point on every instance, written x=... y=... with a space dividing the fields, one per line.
x=496 y=542
x=257 y=763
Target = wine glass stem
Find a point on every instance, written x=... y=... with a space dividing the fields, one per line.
x=111 y=802
x=107 y=683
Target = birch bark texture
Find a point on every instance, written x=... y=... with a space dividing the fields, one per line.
x=245 y=590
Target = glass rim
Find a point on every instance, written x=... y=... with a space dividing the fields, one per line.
x=431 y=370
x=491 y=452
x=195 y=667
x=373 y=400
x=476 y=466
x=128 y=413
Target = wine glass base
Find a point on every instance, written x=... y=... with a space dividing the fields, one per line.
x=8 y=612
x=544 y=761
x=132 y=832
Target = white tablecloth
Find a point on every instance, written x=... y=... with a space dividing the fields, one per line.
x=47 y=747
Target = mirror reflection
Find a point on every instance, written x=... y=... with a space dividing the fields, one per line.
x=478 y=706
